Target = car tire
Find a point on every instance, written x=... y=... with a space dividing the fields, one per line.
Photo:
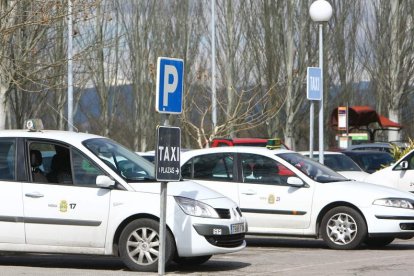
x=378 y=242
x=190 y=261
x=343 y=228
x=139 y=245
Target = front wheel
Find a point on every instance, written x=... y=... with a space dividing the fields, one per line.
x=139 y=245
x=343 y=228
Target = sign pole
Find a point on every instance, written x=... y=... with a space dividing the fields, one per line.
x=311 y=135
x=163 y=228
x=169 y=95
x=163 y=217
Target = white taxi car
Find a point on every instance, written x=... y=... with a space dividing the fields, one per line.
x=399 y=175
x=94 y=196
x=282 y=192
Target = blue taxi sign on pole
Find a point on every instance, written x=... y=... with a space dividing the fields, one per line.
x=314 y=84
x=170 y=79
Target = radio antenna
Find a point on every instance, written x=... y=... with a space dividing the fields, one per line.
x=57 y=112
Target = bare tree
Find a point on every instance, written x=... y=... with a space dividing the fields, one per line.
x=26 y=67
x=344 y=67
x=389 y=56
x=265 y=45
x=296 y=52
x=232 y=57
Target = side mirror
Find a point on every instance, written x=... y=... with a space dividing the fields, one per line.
x=295 y=181
x=404 y=165
x=103 y=181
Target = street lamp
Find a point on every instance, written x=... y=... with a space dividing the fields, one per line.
x=70 y=67
x=320 y=11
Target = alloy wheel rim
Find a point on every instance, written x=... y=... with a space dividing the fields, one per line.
x=143 y=246
x=342 y=229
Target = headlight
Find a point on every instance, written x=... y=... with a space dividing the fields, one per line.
x=394 y=202
x=196 y=208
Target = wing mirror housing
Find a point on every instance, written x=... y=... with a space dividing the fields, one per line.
x=104 y=181
x=404 y=165
x=295 y=181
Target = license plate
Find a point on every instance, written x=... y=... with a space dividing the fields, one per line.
x=237 y=228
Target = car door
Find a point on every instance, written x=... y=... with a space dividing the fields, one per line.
x=214 y=170
x=11 y=203
x=268 y=202
x=68 y=210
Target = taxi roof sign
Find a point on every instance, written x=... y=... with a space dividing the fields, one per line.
x=33 y=124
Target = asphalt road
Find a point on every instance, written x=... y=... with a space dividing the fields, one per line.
x=263 y=256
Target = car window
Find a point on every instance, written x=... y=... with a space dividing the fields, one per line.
x=127 y=164
x=57 y=164
x=263 y=170
x=50 y=163
x=216 y=166
x=339 y=162
x=410 y=161
x=375 y=162
x=7 y=159
x=84 y=170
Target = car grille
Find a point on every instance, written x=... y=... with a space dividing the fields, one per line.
x=223 y=213
x=226 y=240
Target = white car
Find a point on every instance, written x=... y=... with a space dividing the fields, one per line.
x=148 y=155
x=282 y=192
x=400 y=175
x=340 y=163
x=98 y=197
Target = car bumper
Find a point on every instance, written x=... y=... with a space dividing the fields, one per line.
x=389 y=221
x=203 y=236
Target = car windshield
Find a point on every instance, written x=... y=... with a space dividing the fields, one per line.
x=127 y=164
x=311 y=168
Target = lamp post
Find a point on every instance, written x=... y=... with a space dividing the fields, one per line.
x=321 y=11
x=213 y=66
x=70 y=67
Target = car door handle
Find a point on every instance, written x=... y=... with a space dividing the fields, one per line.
x=34 y=195
x=249 y=192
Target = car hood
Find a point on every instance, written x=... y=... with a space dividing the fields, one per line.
x=360 y=193
x=187 y=189
x=354 y=175
x=382 y=177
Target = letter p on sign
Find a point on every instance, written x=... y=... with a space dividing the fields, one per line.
x=170 y=75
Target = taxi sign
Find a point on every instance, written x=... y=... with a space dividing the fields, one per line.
x=314 y=84
x=167 y=161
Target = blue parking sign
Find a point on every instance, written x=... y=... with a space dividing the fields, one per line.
x=170 y=79
x=314 y=84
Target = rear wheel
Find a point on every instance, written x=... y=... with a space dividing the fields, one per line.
x=343 y=228
x=378 y=242
x=192 y=260
x=139 y=245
